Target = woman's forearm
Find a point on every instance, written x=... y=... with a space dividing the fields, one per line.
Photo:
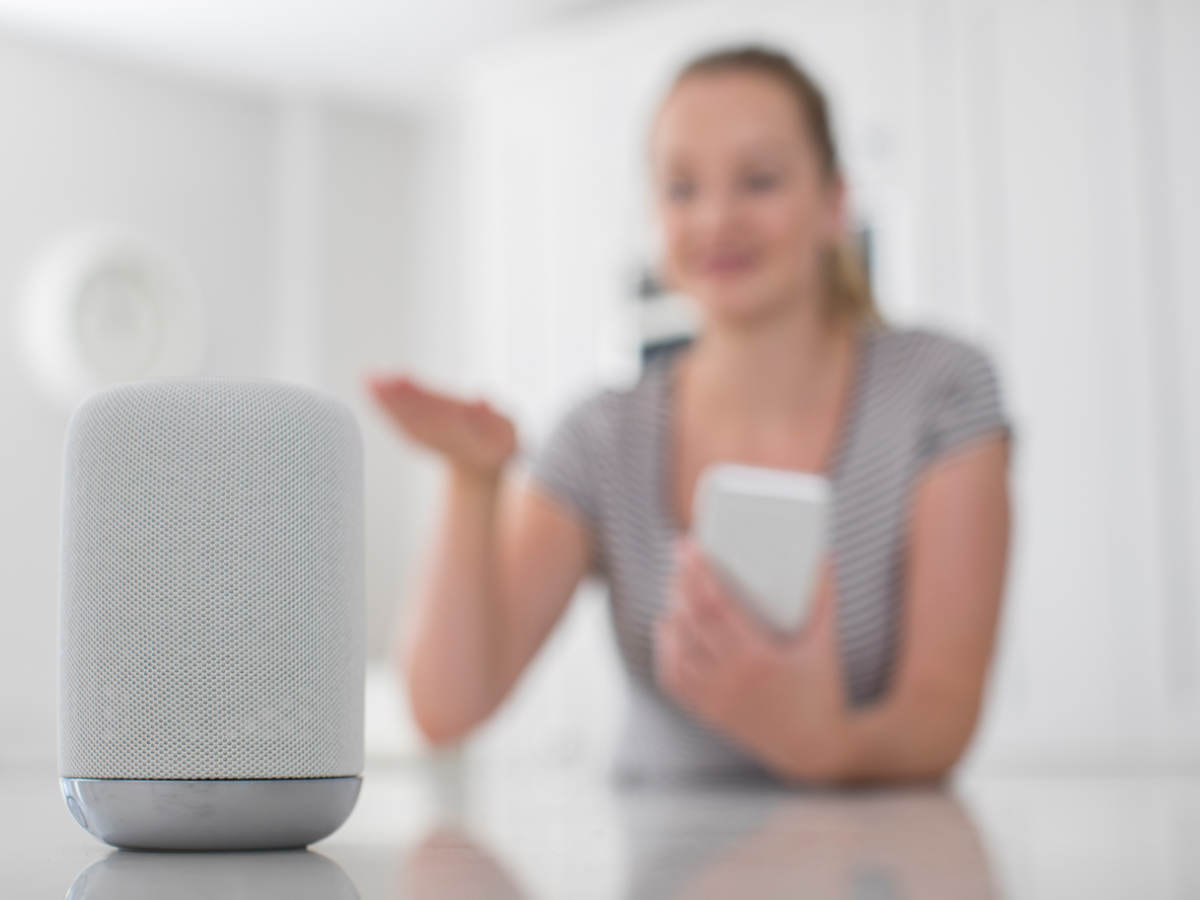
x=900 y=738
x=454 y=650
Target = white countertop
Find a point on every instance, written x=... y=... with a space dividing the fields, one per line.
x=543 y=832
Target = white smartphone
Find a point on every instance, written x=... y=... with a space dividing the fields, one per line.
x=764 y=530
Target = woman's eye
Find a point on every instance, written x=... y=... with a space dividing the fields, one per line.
x=761 y=182
x=680 y=190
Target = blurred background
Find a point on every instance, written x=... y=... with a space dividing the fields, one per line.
x=314 y=191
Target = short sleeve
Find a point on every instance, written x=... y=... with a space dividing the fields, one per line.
x=965 y=404
x=565 y=465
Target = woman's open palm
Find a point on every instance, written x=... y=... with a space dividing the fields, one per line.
x=469 y=434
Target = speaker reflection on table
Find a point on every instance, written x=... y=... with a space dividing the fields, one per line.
x=280 y=875
x=211 y=656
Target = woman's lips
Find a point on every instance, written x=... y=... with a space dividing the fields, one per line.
x=729 y=264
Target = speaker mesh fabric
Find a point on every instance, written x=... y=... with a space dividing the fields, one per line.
x=211 y=601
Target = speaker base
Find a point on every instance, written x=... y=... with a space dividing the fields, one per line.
x=258 y=814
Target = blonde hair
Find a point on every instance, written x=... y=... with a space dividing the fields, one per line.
x=847 y=288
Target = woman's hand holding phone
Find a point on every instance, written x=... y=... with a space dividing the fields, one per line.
x=782 y=697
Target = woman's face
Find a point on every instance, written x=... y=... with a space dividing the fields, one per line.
x=743 y=205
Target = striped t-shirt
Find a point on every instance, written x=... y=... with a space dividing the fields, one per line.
x=916 y=396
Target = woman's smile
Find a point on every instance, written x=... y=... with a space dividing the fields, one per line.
x=727 y=264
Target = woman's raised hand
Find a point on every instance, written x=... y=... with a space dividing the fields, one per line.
x=469 y=435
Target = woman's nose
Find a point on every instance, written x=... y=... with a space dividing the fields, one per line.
x=716 y=214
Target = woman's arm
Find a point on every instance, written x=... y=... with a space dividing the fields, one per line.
x=785 y=702
x=504 y=565
x=505 y=560
x=955 y=580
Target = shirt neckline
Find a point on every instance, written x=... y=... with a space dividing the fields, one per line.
x=664 y=418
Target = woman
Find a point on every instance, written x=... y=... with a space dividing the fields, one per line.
x=792 y=369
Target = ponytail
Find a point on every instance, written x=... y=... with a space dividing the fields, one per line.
x=847 y=288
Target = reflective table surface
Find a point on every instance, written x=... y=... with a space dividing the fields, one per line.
x=448 y=831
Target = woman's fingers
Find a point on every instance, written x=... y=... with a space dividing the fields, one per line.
x=400 y=397
x=387 y=388
x=407 y=402
x=698 y=615
x=406 y=398
x=681 y=663
x=721 y=614
x=711 y=597
x=820 y=610
x=702 y=609
x=470 y=432
x=713 y=603
x=702 y=642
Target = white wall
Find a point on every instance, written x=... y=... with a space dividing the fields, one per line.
x=391 y=209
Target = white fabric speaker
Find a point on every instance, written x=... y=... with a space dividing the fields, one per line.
x=211 y=658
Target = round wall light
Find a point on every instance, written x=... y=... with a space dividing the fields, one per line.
x=108 y=306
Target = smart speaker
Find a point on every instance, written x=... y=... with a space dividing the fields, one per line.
x=211 y=655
